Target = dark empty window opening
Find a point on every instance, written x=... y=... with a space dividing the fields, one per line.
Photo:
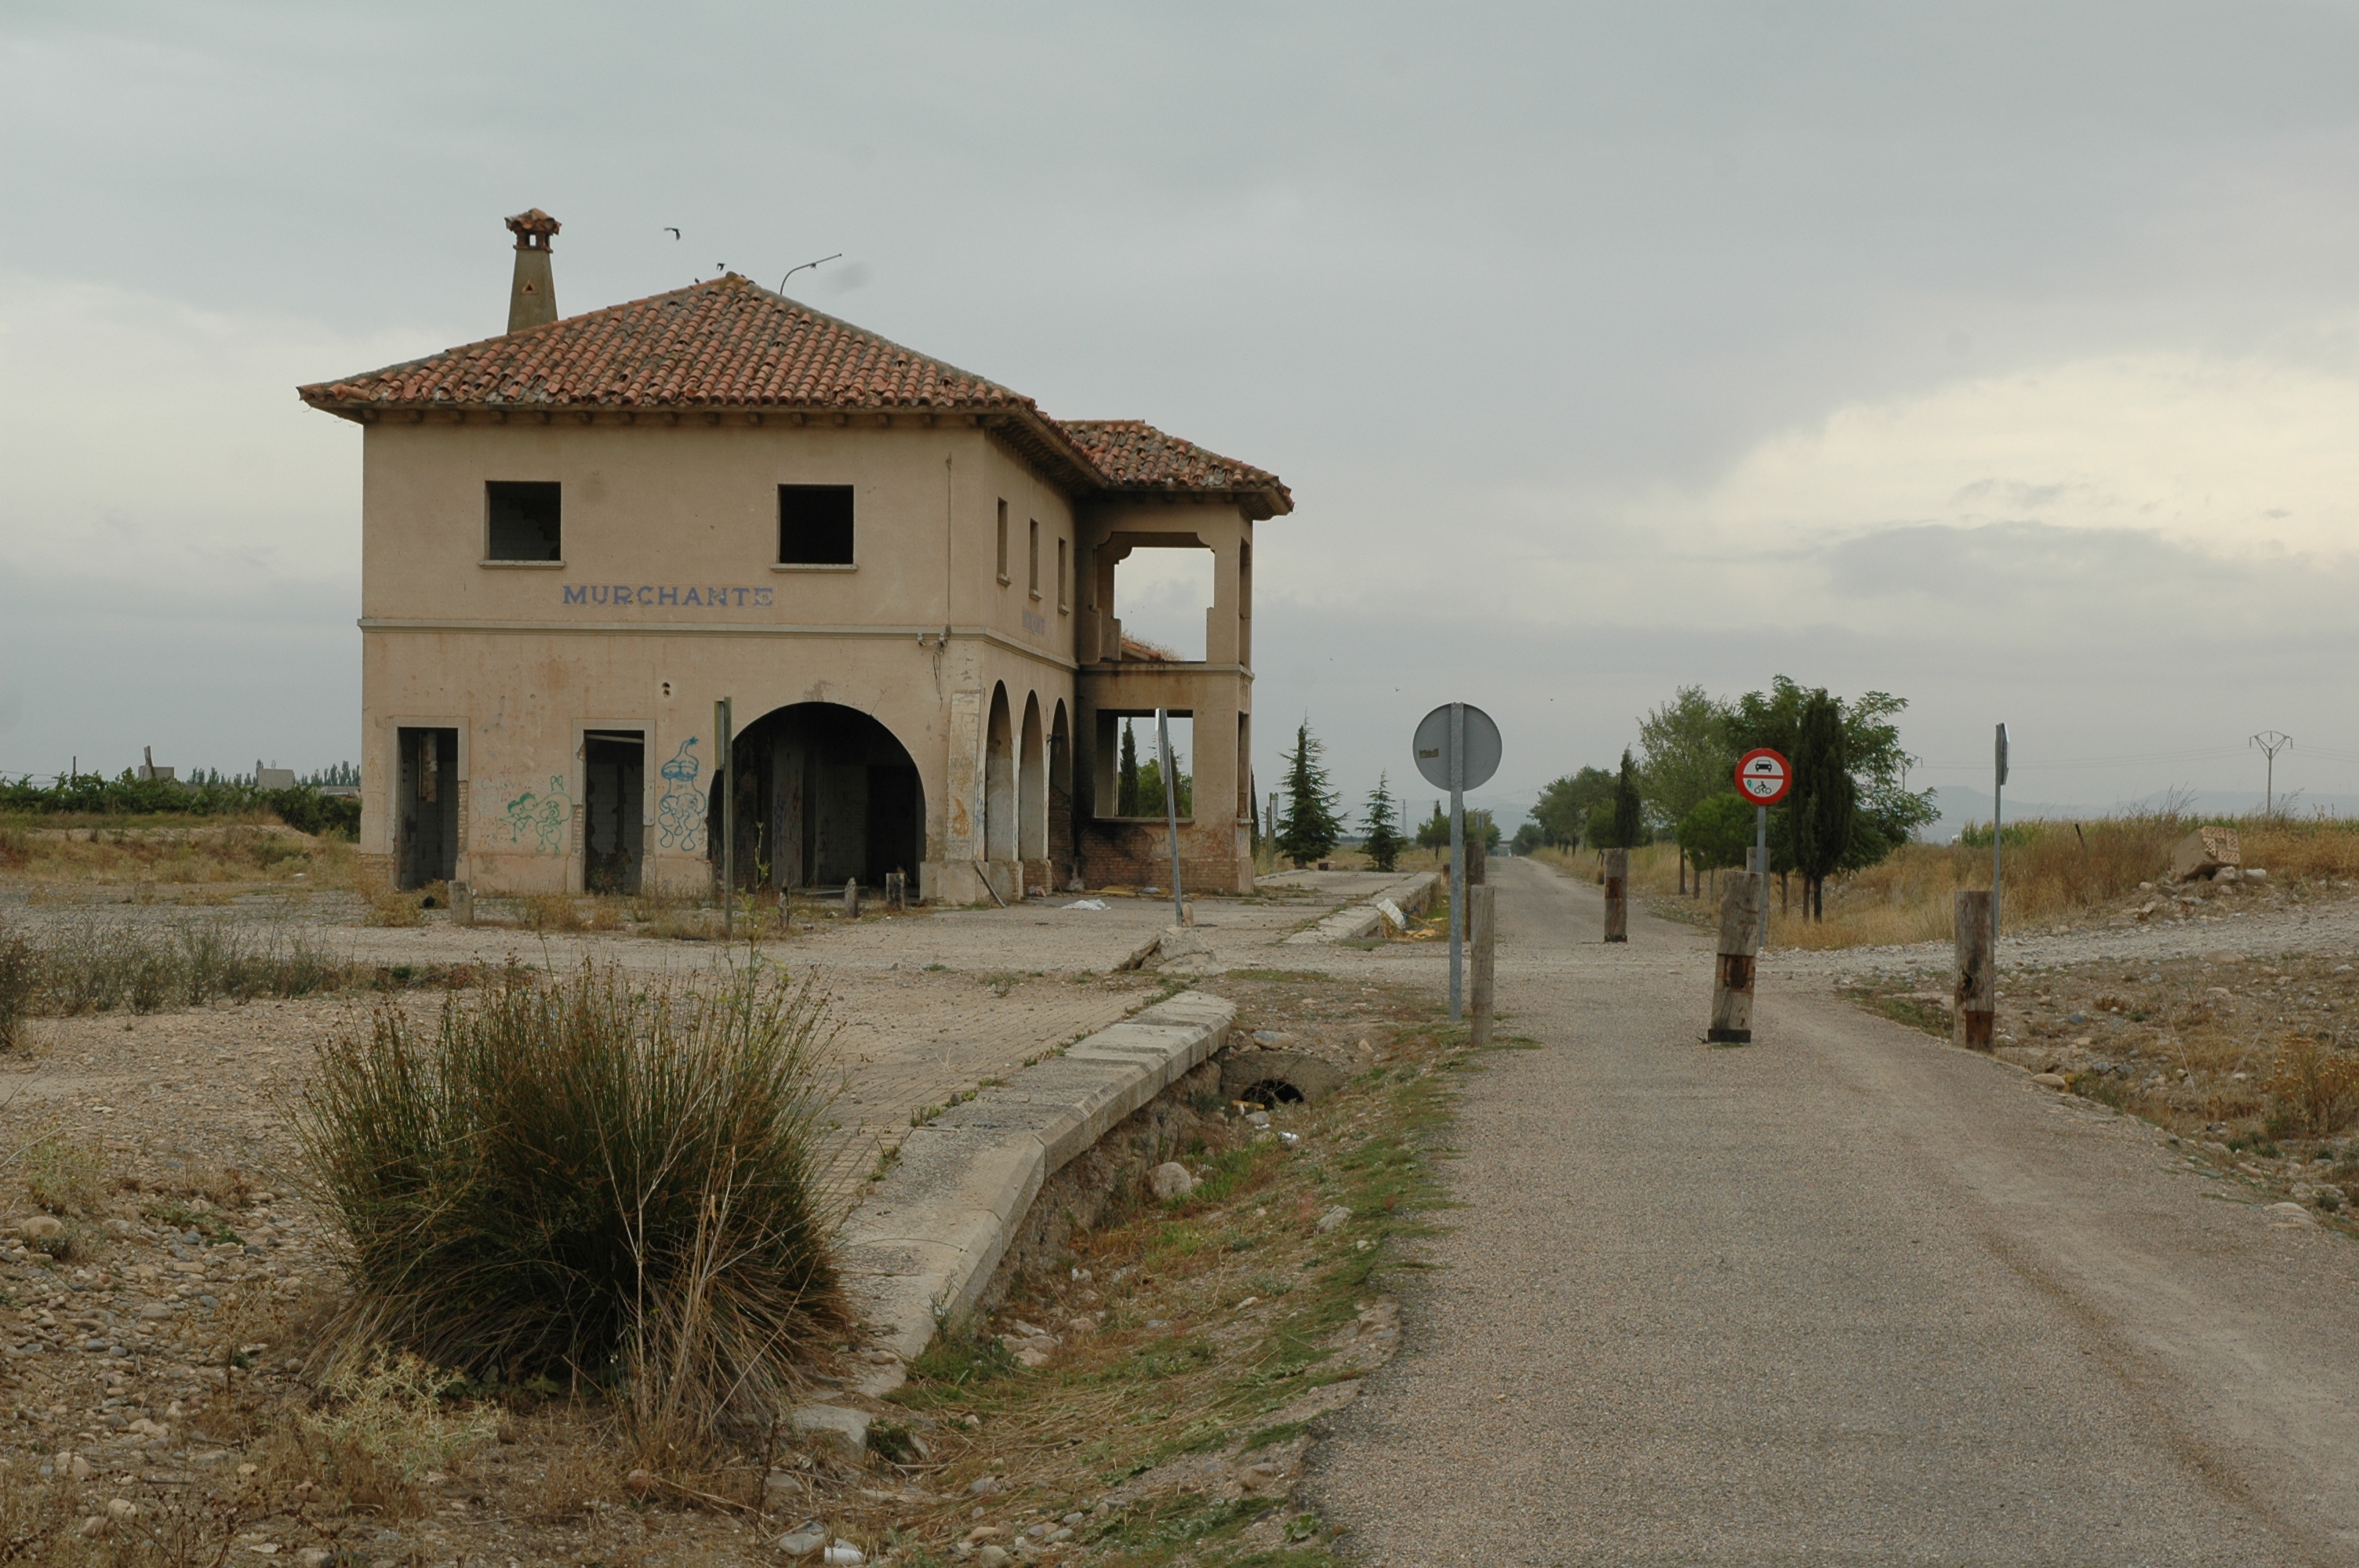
x=1032 y=559
x=814 y=525
x=525 y=520
x=1063 y=603
x=1002 y=541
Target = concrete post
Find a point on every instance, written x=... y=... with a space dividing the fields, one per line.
x=1483 y=935
x=851 y=897
x=897 y=893
x=462 y=903
x=1617 y=895
x=1977 y=999
x=1732 y=965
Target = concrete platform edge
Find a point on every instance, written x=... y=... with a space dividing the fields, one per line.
x=924 y=1244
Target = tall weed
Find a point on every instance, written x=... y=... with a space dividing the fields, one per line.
x=593 y=1179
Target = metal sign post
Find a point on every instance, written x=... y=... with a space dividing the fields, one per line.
x=1999 y=782
x=1171 y=810
x=723 y=736
x=1762 y=777
x=1457 y=748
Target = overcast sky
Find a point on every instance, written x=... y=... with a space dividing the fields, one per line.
x=2003 y=358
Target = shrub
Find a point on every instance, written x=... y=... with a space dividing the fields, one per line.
x=576 y=1179
x=19 y=983
x=2316 y=1089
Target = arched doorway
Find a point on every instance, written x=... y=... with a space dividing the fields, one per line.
x=1032 y=789
x=824 y=793
x=999 y=781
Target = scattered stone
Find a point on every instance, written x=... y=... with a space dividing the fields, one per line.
x=1170 y=1181
x=992 y=1557
x=2287 y=1214
x=842 y=1554
x=2205 y=852
x=848 y=1427
x=638 y=1482
x=803 y=1541
x=985 y=1486
x=1334 y=1216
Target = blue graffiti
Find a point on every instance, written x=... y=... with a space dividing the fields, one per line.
x=680 y=815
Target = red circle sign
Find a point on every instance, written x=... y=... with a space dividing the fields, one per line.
x=1763 y=777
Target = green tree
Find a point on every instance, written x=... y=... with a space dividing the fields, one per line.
x=1434 y=832
x=1126 y=790
x=1885 y=813
x=1527 y=839
x=1150 y=788
x=1310 y=823
x=1824 y=799
x=1629 y=810
x=1685 y=756
x=1717 y=832
x=1563 y=808
x=1383 y=844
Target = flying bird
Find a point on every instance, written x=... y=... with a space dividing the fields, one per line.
x=672 y=231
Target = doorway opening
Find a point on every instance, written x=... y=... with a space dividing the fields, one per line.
x=613 y=796
x=824 y=793
x=426 y=819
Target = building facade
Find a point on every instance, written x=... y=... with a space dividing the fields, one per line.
x=579 y=535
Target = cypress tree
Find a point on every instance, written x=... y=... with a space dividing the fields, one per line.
x=1819 y=806
x=1310 y=823
x=1126 y=794
x=1629 y=815
x=1384 y=842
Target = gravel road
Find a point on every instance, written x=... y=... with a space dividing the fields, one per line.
x=1844 y=1296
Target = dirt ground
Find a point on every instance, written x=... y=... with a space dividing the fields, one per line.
x=163 y=1259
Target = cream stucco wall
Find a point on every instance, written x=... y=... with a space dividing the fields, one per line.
x=628 y=632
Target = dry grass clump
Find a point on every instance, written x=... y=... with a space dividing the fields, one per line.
x=2315 y=1086
x=2057 y=873
x=200 y=852
x=584 y=1180
x=569 y=912
x=92 y=964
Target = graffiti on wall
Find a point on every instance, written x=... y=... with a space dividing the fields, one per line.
x=533 y=820
x=679 y=814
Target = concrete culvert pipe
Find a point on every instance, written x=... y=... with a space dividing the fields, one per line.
x=1276 y=1077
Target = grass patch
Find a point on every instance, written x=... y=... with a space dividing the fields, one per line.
x=77 y=964
x=596 y=1180
x=1186 y=1330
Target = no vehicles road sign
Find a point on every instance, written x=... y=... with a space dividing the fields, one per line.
x=1764 y=776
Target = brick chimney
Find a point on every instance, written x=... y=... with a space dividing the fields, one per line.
x=532 y=297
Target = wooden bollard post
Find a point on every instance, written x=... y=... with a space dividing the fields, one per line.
x=1733 y=968
x=1976 y=999
x=897 y=890
x=851 y=897
x=1617 y=895
x=1481 y=936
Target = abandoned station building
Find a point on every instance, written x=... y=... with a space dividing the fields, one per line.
x=577 y=535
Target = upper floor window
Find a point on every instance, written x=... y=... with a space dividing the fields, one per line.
x=1032 y=560
x=523 y=521
x=815 y=525
x=1003 y=542
x=1064 y=601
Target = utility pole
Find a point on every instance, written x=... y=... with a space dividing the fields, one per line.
x=2271 y=742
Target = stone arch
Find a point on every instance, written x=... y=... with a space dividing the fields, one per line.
x=1032 y=787
x=999 y=780
x=825 y=793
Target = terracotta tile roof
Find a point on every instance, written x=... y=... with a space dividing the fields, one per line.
x=731 y=345
x=1134 y=455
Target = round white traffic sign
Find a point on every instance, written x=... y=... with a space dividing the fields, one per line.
x=1432 y=747
x=1763 y=777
